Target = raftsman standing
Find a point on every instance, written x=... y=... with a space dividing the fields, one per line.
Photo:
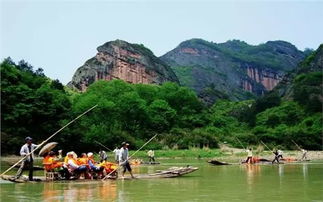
x=29 y=161
x=124 y=159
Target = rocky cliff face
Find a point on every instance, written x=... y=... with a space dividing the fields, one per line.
x=266 y=78
x=313 y=63
x=118 y=59
x=232 y=69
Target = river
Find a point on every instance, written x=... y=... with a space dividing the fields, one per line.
x=284 y=182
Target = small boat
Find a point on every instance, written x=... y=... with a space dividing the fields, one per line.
x=218 y=163
x=254 y=161
x=169 y=173
x=289 y=159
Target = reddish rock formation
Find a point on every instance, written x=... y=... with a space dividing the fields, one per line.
x=267 y=78
x=120 y=60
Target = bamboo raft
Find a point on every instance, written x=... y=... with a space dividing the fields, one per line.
x=260 y=162
x=25 y=168
x=150 y=163
x=169 y=173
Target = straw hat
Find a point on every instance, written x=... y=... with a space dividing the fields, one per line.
x=72 y=153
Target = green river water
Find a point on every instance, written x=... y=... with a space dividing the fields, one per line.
x=284 y=182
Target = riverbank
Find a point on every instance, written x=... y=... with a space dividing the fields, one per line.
x=230 y=154
x=224 y=153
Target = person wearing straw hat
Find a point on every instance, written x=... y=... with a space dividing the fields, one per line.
x=29 y=161
x=124 y=159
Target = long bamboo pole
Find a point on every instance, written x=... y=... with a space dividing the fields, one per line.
x=50 y=137
x=240 y=143
x=266 y=146
x=130 y=156
x=102 y=145
x=297 y=145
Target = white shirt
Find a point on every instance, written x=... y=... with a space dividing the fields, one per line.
x=123 y=155
x=72 y=165
x=151 y=153
x=249 y=153
x=24 y=151
x=280 y=152
x=116 y=154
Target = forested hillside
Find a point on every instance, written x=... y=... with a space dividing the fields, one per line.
x=232 y=70
x=33 y=105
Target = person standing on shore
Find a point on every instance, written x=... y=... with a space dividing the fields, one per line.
x=29 y=161
x=124 y=159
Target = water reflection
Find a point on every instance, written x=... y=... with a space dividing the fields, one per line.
x=305 y=170
x=252 y=171
x=281 y=170
x=106 y=191
x=287 y=182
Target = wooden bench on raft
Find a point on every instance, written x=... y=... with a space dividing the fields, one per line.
x=51 y=175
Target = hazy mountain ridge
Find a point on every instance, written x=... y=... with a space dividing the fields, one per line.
x=233 y=68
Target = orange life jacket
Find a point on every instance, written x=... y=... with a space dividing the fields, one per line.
x=82 y=161
x=66 y=159
x=50 y=163
x=47 y=162
x=109 y=166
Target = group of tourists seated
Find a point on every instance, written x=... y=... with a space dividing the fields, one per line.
x=84 y=167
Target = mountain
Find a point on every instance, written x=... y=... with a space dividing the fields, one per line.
x=234 y=69
x=122 y=60
x=304 y=84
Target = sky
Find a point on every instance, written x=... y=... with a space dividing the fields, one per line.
x=59 y=36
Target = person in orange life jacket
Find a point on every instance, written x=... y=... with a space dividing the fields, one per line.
x=51 y=163
x=73 y=165
x=91 y=163
x=29 y=161
x=82 y=160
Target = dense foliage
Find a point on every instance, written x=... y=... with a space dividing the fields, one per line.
x=33 y=105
